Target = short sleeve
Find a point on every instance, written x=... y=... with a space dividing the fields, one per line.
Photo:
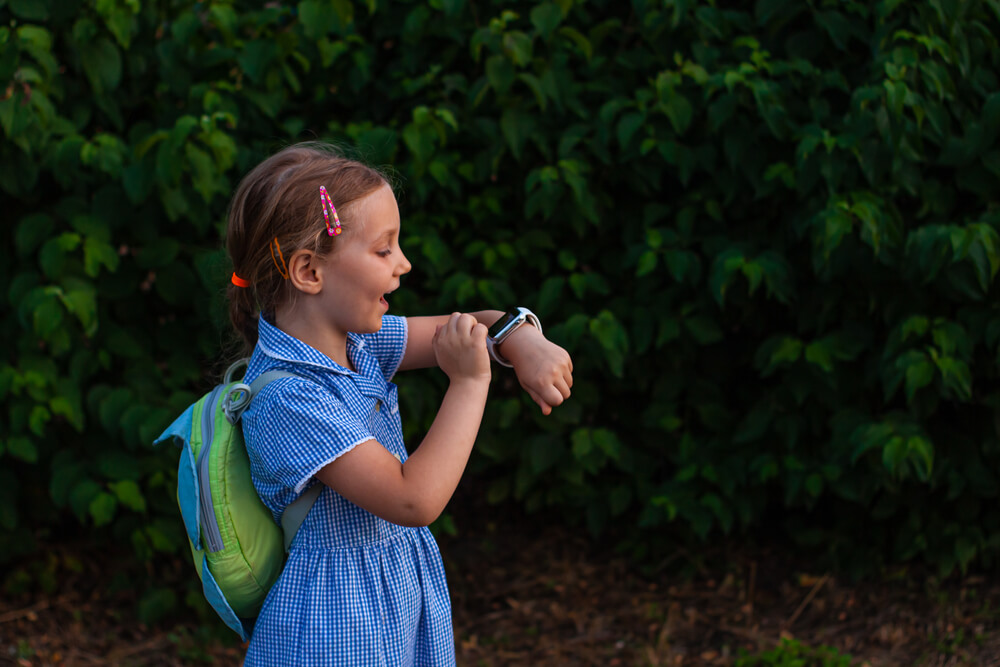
x=294 y=428
x=388 y=344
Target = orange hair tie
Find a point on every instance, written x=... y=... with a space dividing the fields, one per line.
x=239 y=282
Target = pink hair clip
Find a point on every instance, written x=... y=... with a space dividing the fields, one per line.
x=325 y=200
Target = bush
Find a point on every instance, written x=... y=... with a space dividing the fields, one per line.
x=768 y=236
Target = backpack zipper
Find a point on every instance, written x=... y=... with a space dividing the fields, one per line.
x=210 y=527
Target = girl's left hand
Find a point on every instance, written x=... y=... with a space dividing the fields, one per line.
x=544 y=369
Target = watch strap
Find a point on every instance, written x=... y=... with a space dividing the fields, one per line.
x=492 y=345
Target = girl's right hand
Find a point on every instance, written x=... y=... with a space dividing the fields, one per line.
x=460 y=348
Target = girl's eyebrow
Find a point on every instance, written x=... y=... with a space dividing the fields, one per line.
x=386 y=235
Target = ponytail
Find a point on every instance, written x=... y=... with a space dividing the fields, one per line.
x=243 y=315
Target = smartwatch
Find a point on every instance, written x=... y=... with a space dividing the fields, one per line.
x=508 y=323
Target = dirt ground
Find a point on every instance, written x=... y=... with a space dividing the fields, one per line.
x=545 y=597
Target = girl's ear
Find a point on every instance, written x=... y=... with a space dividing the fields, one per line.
x=303 y=271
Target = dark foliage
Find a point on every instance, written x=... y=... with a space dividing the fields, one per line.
x=767 y=234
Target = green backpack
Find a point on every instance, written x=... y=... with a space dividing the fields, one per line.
x=237 y=548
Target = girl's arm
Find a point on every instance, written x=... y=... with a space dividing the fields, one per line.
x=544 y=369
x=415 y=493
x=420 y=334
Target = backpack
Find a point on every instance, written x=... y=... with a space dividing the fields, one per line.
x=237 y=548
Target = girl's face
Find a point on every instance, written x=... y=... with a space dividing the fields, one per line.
x=366 y=267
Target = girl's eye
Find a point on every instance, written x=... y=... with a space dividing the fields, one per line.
x=384 y=253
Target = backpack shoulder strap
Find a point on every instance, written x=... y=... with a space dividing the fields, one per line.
x=240 y=394
x=295 y=513
x=267 y=378
x=238 y=400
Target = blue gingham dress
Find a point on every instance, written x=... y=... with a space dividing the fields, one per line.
x=356 y=589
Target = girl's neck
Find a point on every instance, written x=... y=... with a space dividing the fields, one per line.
x=331 y=343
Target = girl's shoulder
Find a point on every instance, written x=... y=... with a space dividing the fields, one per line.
x=388 y=344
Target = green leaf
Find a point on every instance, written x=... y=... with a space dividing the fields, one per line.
x=257 y=57
x=80 y=497
x=317 y=18
x=102 y=63
x=102 y=508
x=40 y=416
x=71 y=410
x=32 y=231
x=31 y=10
x=203 y=172
x=517 y=128
x=921 y=455
x=518 y=46
x=919 y=374
x=581 y=42
x=82 y=302
x=22 y=448
x=52 y=256
x=500 y=73
x=613 y=339
x=452 y=7
x=421 y=139
x=582 y=443
x=111 y=408
x=956 y=376
x=819 y=353
x=47 y=317
x=704 y=330
x=546 y=17
x=160 y=539
x=679 y=111
x=647 y=263
x=916 y=325
x=535 y=85
x=608 y=443
x=97 y=253
x=129 y=494
x=119 y=18
x=814 y=485
x=629 y=124
x=788 y=351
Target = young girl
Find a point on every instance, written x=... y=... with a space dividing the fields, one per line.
x=314 y=240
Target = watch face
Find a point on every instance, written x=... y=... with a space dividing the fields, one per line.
x=501 y=324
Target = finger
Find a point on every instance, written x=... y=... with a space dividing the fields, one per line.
x=552 y=395
x=546 y=408
x=562 y=388
x=453 y=323
x=568 y=379
x=466 y=323
x=479 y=332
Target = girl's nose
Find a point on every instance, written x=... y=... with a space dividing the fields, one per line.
x=404 y=264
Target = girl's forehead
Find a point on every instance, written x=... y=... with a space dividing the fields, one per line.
x=375 y=216
x=378 y=209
